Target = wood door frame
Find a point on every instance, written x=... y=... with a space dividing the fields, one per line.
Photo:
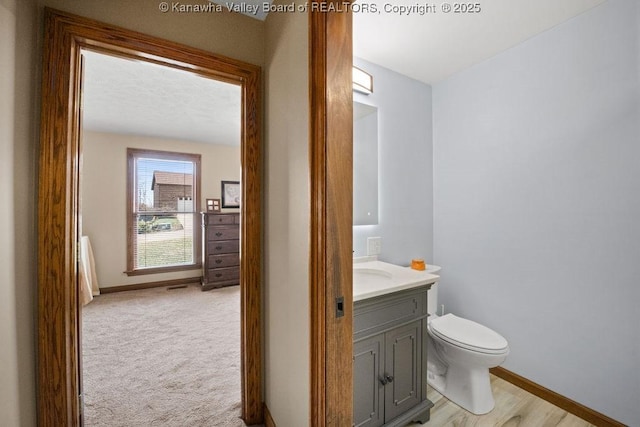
x=58 y=195
x=331 y=257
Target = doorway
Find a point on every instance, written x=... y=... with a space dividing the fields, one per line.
x=159 y=140
x=59 y=375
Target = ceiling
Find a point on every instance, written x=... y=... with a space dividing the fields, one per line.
x=140 y=98
x=435 y=45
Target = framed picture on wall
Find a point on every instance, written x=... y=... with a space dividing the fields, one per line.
x=230 y=194
x=213 y=205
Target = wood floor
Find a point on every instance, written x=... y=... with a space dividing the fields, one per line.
x=514 y=408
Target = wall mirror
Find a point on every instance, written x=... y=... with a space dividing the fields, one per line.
x=365 y=164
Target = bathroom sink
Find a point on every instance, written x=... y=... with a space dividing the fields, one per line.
x=371 y=277
x=376 y=278
x=367 y=272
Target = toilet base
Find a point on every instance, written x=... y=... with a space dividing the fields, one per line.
x=468 y=388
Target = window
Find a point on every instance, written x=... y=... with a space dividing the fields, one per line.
x=163 y=193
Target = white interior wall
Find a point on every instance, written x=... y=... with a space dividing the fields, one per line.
x=104 y=196
x=405 y=169
x=286 y=219
x=8 y=320
x=18 y=79
x=537 y=204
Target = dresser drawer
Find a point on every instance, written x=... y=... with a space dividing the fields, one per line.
x=228 y=260
x=224 y=274
x=221 y=219
x=223 y=247
x=223 y=233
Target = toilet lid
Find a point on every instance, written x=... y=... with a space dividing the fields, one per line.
x=468 y=334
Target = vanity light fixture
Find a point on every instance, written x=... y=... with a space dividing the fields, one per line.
x=362 y=81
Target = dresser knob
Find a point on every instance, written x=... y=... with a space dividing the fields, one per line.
x=218 y=261
x=218 y=234
x=218 y=247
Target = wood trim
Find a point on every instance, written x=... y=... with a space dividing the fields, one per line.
x=251 y=247
x=149 y=285
x=160 y=270
x=317 y=80
x=57 y=301
x=58 y=338
x=571 y=406
x=268 y=419
x=331 y=168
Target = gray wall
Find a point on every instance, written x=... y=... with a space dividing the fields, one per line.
x=537 y=202
x=405 y=167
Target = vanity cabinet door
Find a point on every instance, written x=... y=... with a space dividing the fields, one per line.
x=403 y=364
x=368 y=390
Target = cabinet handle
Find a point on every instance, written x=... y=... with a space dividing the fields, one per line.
x=218 y=261
x=219 y=275
x=218 y=247
x=389 y=378
x=218 y=234
x=383 y=380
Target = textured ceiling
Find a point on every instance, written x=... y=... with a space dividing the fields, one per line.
x=140 y=98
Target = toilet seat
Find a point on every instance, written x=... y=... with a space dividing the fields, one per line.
x=468 y=334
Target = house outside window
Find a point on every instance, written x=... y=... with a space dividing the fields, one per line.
x=163 y=230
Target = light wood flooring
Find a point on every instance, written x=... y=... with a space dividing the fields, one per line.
x=514 y=408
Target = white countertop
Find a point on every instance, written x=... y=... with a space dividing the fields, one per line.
x=372 y=278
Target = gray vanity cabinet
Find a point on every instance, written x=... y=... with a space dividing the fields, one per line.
x=389 y=361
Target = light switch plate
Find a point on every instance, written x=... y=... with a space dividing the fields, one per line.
x=374 y=245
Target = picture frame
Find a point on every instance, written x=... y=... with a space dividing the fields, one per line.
x=230 y=194
x=213 y=205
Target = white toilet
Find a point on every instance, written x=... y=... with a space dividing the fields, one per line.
x=459 y=355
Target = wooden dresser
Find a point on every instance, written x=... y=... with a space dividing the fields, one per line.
x=221 y=250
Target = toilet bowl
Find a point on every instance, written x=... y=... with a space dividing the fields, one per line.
x=459 y=355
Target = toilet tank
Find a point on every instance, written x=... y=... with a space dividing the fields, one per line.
x=432 y=294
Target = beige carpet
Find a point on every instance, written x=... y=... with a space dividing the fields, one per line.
x=160 y=357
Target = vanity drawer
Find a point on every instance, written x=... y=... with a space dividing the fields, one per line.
x=223 y=247
x=377 y=314
x=228 y=260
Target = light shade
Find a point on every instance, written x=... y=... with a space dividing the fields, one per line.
x=362 y=81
